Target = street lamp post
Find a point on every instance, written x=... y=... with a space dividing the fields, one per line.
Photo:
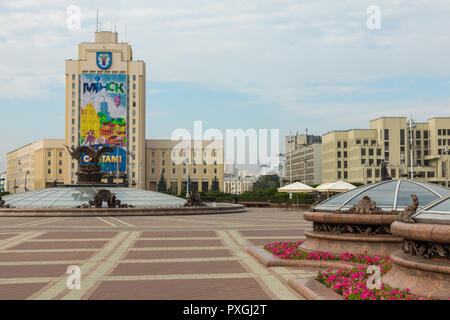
x=411 y=126
x=291 y=140
x=446 y=151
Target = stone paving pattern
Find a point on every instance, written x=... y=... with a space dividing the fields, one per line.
x=176 y=257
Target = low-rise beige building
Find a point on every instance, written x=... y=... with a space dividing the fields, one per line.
x=35 y=166
x=203 y=162
x=238 y=184
x=356 y=155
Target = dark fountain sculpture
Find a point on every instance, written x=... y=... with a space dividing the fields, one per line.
x=194 y=200
x=89 y=173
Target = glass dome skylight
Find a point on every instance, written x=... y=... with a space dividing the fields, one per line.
x=389 y=195
x=73 y=196
x=436 y=212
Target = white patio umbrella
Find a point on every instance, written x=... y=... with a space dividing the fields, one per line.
x=338 y=186
x=296 y=187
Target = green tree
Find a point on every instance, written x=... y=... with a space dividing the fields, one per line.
x=267 y=181
x=162 y=185
x=215 y=185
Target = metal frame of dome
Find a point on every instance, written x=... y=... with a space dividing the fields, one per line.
x=73 y=196
x=323 y=207
x=425 y=215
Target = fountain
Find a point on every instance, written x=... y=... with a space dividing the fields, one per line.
x=87 y=198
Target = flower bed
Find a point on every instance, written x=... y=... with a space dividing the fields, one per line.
x=350 y=283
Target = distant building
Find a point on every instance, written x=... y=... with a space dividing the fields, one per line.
x=306 y=164
x=229 y=169
x=35 y=166
x=238 y=185
x=356 y=155
x=303 y=159
x=203 y=166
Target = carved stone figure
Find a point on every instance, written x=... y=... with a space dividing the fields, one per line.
x=108 y=197
x=89 y=173
x=194 y=200
x=364 y=206
x=409 y=211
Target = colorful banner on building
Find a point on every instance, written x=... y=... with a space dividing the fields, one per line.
x=104 y=117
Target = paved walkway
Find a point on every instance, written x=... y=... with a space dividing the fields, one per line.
x=183 y=257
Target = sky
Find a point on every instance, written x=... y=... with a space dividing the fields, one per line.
x=262 y=64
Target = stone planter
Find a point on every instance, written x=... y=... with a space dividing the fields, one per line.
x=423 y=264
x=337 y=233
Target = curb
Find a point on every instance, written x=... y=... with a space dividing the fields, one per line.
x=312 y=289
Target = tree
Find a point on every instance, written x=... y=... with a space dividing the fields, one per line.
x=267 y=181
x=162 y=185
x=215 y=185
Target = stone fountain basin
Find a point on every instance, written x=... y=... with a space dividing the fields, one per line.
x=422 y=231
x=338 y=243
x=340 y=218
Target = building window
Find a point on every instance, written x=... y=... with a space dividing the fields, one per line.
x=338 y=144
x=371 y=152
x=339 y=164
x=73 y=77
x=174 y=170
x=386 y=134
x=134 y=77
x=418 y=134
x=339 y=154
x=402 y=136
x=363 y=152
x=358 y=141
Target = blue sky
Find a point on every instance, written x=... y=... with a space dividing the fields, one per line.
x=285 y=64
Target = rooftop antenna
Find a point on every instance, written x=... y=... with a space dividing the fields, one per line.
x=97 y=21
x=126 y=36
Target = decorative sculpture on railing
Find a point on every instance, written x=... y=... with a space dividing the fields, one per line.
x=426 y=250
x=108 y=197
x=89 y=173
x=409 y=211
x=194 y=200
x=364 y=206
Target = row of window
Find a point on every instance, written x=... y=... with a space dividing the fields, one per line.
x=174 y=171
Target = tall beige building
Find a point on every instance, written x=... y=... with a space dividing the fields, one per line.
x=356 y=155
x=116 y=118
x=203 y=162
x=306 y=164
x=304 y=159
x=35 y=166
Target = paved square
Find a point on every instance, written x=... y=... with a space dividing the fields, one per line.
x=168 y=257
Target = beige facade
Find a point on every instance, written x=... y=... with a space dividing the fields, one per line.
x=304 y=159
x=238 y=185
x=356 y=155
x=202 y=161
x=122 y=63
x=35 y=166
x=306 y=164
